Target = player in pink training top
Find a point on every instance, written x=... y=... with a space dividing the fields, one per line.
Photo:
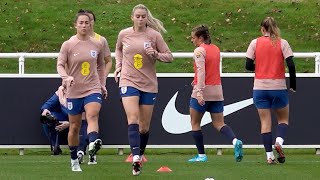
x=207 y=93
x=137 y=50
x=108 y=66
x=270 y=89
x=81 y=66
x=103 y=40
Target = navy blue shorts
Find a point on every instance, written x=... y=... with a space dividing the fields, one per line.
x=210 y=106
x=76 y=105
x=145 y=97
x=270 y=99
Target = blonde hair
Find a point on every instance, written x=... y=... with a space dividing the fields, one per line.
x=152 y=22
x=270 y=25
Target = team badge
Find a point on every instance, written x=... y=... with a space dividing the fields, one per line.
x=198 y=54
x=93 y=53
x=124 y=89
x=146 y=44
x=70 y=106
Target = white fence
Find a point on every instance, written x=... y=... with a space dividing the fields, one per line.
x=23 y=56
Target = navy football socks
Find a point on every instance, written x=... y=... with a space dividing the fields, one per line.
x=73 y=152
x=227 y=131
x=143 y=142
x=134 y=138
x=198 y=139
x=93 y=136
x=282 y=130
x=267 y=141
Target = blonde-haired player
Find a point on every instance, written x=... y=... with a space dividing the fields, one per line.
x=137 y=50
x=270 y=90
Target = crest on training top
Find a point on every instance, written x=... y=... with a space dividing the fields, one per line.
x=147 y=44
x=93 y=53
x=198 y=54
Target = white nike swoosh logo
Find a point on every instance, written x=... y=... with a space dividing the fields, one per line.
x=176 y=123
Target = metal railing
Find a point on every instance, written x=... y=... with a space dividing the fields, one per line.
x=23 y=56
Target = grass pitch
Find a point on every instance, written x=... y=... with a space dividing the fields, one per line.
x=43 y=25
x=300 y=164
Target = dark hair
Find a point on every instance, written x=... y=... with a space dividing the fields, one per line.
x=270 y=25
x=80 y=14
x=202 y=31
x=88 y=12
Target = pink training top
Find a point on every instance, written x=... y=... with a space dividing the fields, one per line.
x=207 y=79
x=269 y=83
x=137 y=68
x=83 y=60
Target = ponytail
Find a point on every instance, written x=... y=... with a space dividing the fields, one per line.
x=270 y=25
x=152 y=22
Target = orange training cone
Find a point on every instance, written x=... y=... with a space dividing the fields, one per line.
x=164 y=169
x=130 y=158
x=144 y=159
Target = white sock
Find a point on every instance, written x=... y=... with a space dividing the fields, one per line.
x=234 y=141
x=136 y=158
x=74 y=160
x=270 y=155
x=80 y=152
x=280 y=140
x=202 y=155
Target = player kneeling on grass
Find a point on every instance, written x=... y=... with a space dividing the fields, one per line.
x=55 y=122
x=207 y=93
